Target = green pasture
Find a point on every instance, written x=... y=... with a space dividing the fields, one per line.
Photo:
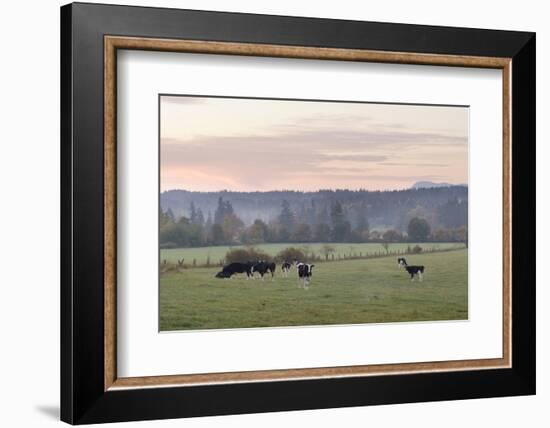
x=341 y=292
x=216 y=254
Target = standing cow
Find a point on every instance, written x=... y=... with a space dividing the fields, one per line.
x=413 y=271
x=285 y=268
x=305 y=271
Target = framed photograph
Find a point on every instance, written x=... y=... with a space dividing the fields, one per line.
x=266 y=213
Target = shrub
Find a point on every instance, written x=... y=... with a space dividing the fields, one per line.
x=416 y=249
x=392 y=235
x=243 y=255
x=290 y=254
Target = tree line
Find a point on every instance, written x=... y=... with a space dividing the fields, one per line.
x=332 y=222
x=444 y=207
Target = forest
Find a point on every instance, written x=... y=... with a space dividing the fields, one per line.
x=196 y=219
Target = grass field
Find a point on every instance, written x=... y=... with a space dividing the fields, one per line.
x=344 y=292
x=216 y=254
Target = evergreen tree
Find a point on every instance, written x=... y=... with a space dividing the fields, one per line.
x=224 y=209
x=164 y=218
x=219 y=213
x=453 y=213
x=323 y=215
x=170 y=214
x=228 y=208
x=337 y=216
x=286 y=218
x=199 y=217
x=362 y=221
x=193 y=213
x=208 y=223
x=341 y=228
x=311 y=213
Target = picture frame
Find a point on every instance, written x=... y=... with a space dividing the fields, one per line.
x=91 y=35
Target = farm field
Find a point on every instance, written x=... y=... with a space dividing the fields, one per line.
x=344 y=292
x=215 y=254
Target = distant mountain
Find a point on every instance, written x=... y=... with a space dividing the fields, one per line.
x=432 y=185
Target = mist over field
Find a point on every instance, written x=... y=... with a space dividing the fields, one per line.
x=445 y=207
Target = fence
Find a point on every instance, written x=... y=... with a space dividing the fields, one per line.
x=167 y=266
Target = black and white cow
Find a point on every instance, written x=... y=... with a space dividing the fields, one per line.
x=417 y=271
x=413 y=271
x=305 y=271
x=233 y=268
x=285 y=268
x=262 y=267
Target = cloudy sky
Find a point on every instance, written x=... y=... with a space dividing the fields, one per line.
x=210 y=144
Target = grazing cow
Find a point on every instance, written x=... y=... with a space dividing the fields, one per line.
x=233 y=268
x=415 y=271
x=304 y=274
x=262 y=267
x=401 y=262
x=285 y=267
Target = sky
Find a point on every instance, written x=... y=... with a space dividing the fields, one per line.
x=212 y=144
